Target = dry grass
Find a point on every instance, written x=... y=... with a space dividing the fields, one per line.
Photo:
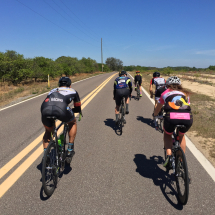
x=10 y=93
x=203 y=117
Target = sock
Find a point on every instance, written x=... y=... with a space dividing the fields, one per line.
x=127 y=107
x=70 y=146
x=117 y=117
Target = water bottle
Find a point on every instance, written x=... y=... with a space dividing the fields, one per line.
x=60 y=142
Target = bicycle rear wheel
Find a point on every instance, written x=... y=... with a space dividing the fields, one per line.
x=49 y=169
x=181 y=175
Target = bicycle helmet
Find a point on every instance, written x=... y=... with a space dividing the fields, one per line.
x=173 y=80
x=123 y=73
x=156 y=74
x=64 y=81
x=137 y=71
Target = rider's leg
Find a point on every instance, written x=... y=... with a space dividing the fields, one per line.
x=72 y=133
x=47 y=136
x=168 y=147
x=168 y=143
x=140 y=90
x=127 y=104
x=117 y=113
x=182 y=141
x=72 y=130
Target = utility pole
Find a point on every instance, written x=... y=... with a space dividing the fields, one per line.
x=101 y=56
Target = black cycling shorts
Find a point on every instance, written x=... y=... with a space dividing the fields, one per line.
x=170 y=124
x=159 y=92
x=120 y=93
x=139 y=82
x=66 y=115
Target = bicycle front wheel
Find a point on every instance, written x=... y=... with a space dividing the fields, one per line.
x=49 y=169
x=181 y=175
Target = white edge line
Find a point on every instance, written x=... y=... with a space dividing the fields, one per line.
x=198 y=155
x=45 y=93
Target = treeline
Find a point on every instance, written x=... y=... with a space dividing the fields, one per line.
x=15 y=68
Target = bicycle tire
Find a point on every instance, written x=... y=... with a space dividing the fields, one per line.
x=48 y=174
x=181 y=176
x=161 y=125
x=138 y=92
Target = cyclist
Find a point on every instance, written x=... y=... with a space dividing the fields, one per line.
x=122 y=88
x=56 y=104
x=176 y=103
x=160 y=86
x=138 y=78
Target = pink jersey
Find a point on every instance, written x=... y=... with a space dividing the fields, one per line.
x=174 y=100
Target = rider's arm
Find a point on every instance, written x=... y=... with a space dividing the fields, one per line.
x=150 y=87
x=114 y=89
x=158 y=108
x=77 y=104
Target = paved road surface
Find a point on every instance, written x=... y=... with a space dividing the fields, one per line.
x=109 y=174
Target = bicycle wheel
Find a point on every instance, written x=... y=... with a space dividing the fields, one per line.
x=161 y=125
x=49 y=169
x=181 y=175
x=138 y=92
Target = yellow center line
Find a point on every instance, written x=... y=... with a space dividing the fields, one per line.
x=5 y=186
x=7 y=167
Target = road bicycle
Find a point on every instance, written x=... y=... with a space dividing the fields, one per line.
x=178 y=165
x=121 y=120
x=138 y=91
x=158 y=121
x=55 y=158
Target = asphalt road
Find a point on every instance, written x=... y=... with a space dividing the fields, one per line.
x=109 y=174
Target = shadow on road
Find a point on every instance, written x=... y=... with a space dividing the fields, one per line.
x=147 y=121
x=149 y=168
x=111 y=123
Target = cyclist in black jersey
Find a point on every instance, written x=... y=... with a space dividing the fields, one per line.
x=138 y=78
x=122 y=88
x=56 y=104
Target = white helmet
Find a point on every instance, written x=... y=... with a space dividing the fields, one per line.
x=173 y=80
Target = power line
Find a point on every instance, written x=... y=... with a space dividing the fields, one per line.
x=77 y=17
x=54 y=23
x=70 y=16
x=67 y=19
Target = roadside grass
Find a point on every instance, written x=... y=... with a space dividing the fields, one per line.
x=203 y=115
x=9 y=93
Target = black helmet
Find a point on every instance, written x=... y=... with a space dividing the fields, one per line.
x=156 y=74
x=64 y=81
x=123 y=73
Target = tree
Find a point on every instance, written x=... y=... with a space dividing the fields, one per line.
x=114 y=64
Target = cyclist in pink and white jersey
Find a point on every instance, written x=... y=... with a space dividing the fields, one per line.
x=176 y=103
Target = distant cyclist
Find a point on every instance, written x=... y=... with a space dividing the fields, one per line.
x=138 y=78
x=122 y=88
x=176 y=103
x=160 y=86
x=56 y=104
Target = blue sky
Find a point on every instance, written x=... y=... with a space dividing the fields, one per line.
x=139 y=32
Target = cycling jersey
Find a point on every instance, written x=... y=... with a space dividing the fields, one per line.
x=174 y=100
x=158 y=82
x=137 y=78
x=56 y=104
x=178 y=111
x=122 y=83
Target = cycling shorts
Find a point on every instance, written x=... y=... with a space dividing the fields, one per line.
x=120 y=93
x=172 y=119
x=139 y=82
x=66 y=115
x=159 y=92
